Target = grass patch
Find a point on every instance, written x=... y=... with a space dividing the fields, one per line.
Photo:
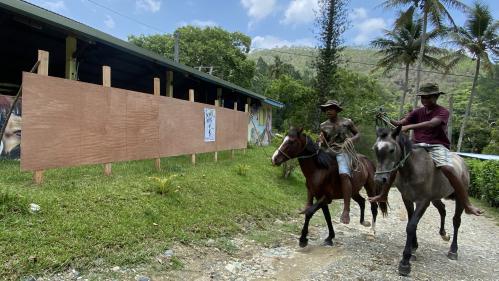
x=89 y=220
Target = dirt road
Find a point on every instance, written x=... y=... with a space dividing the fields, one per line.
x=357 y=254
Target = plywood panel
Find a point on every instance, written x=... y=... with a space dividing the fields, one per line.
x=142 y=140
x=103 y=127
x=70 y=123
x=50 y=136
x=182 y=127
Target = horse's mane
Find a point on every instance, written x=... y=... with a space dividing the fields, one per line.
x=323 y=160
x=405 y=143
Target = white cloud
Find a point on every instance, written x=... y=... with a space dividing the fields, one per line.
x=54 y=6
x=148 y=5
x=258 y=9
x=367 y=28
x=268 y=42
x=109 y=22
x=203 y=23
x=358 y=13
x=300 y=11
x=198 y=23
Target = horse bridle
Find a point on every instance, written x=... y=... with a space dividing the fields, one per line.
x=399 y=164
x=304 y=148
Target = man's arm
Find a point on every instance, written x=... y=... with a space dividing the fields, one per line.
x=434 y=122
x=401 y=122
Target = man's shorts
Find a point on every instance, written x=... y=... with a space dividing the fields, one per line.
x=343 y=164
x=440 y=154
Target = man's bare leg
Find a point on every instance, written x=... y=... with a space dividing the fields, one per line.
x=346 y=188
x=460 y=191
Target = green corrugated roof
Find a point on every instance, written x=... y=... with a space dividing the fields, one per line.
x=84 y=31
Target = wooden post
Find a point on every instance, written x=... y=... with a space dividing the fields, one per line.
x=191 y=98
x=217 y=104
x=106 y=82
x=70 y=60
x=169 y=84
x=233 y=150
x=43 y=69
x=219 y=97
x=157 y=92
x=246 y=109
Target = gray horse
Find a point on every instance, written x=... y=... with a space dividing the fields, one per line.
x=419 y=182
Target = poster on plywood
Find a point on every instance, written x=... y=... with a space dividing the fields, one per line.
x=209 y=124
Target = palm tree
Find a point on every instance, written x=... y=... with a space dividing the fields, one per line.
x=400 y=46
x=478 y=37
x=435 y=11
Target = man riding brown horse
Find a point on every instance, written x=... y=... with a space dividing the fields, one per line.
x=337 y=134
x=430 y=132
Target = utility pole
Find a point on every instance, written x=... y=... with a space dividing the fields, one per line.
x=176 y=50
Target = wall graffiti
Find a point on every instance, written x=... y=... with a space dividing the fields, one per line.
x=10 y=146
x=260 y=125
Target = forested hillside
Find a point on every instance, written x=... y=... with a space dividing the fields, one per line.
x=481 y=132
x=363 y=60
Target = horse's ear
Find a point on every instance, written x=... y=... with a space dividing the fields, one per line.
x=300 y=130
x=380 y=132
x=396 y=131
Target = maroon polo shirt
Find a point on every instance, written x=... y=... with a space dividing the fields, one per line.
x=435 y=135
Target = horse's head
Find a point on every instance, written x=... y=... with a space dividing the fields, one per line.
x=388 y=153
x=291 y=147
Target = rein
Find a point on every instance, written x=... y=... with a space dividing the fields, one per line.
x=399 y=164
x=304 y=148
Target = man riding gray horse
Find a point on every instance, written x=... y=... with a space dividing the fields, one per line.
x=430 y=132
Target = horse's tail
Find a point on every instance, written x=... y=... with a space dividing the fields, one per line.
x=384 y=208
x=376 y=188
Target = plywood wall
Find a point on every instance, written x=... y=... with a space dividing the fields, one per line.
x=70 y=123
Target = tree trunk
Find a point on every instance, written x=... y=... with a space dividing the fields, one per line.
x=406 y=89
x=420 y=56
x=451 y=113
x=468 y=107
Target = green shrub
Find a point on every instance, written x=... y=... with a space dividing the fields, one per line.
x=484 y=177
x=164 y=185
x=242 y=169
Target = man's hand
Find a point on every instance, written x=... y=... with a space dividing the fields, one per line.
x=405 y=128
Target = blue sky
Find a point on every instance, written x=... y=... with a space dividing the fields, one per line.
x=269 y=23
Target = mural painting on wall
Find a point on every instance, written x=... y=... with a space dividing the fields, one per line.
x=260 y=127
x=10 y=146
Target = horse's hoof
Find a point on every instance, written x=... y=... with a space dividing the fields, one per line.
x=413 y=258
x=404 y=269
x=452 y=256
x=303 y=243
x=327 y=242
x=366 y=223
x=445 y=237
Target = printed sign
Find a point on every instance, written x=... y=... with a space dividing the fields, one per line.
x=209 y=124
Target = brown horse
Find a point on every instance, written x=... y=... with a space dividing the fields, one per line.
x=323 y=181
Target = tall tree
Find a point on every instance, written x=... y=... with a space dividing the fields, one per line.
x=433 y=10
x=225 y=51
x=478 y=37
x=401 y=46
x=332 y=21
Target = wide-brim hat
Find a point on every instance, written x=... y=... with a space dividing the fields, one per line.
x=331 y=103
x=429 y=89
